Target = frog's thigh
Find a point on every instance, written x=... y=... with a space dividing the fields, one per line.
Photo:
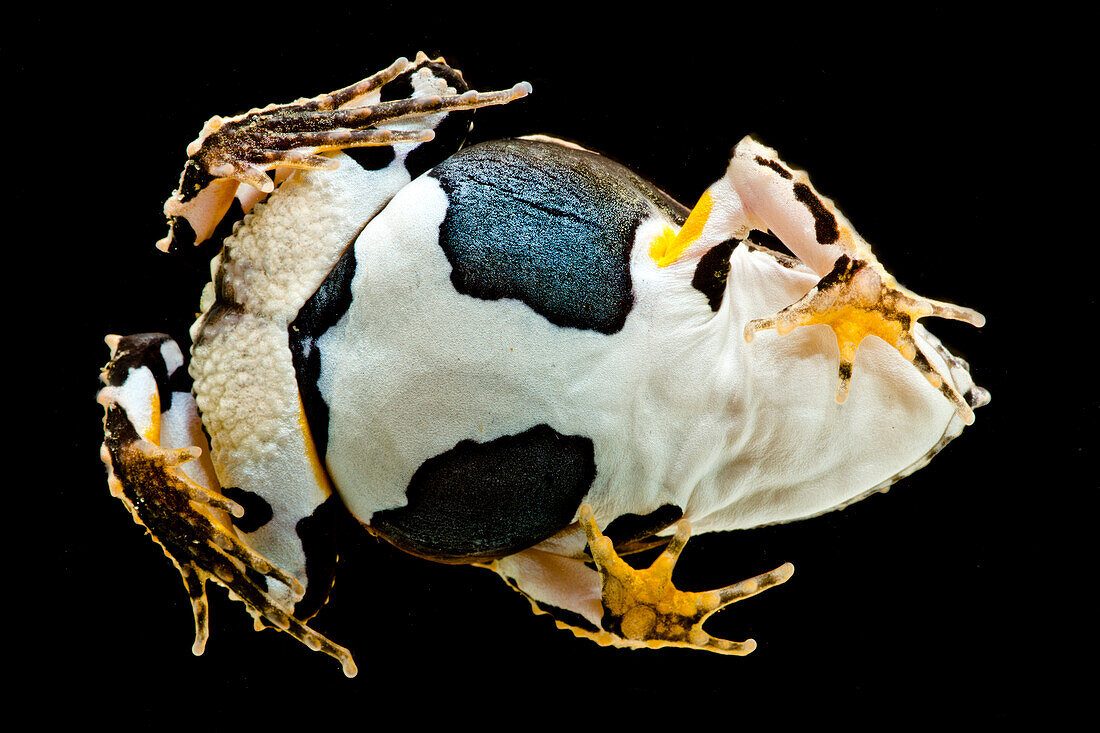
x=563 y=587
x=263 y=450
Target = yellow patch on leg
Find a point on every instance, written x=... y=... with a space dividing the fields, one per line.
x=669 y=245
x=320 y=475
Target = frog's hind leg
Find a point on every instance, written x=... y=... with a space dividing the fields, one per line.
x=159 y=468
x=242 y=149
x=855 y=296
x=857 y=299
x=618 y=605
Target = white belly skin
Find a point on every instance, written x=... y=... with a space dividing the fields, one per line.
x=680 y=409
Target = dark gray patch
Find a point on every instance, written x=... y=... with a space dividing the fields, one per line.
x=633 y=527
x=318 y=536
x=144 y=350
x=547 y=225
x=772 y=242
x=193 y=180
x=825 y=226
x=316 y=316
x=450 y=134
x=712 y=271
x=181 y=235
x=257 y=512
x=488 y=500
x=566 y=616
x=372 y=158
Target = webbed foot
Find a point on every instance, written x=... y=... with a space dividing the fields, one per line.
x=859 y=298
x=232 y=151
x=643 y=609
x=186 y=518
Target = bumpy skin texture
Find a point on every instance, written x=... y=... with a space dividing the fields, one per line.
x=491 y=362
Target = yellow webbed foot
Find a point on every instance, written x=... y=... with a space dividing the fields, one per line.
x=858 y=299
x=643 y=609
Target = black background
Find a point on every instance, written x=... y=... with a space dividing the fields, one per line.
x=944 y=598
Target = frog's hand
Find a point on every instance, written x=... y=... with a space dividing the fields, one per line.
x=855 y=297
x=152 y=439
x=232 y=151
x=617 y=605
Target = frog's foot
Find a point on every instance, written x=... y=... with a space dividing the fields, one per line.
x=163 y=489
x=859 y=299
x=232 y=151
x=643 y=609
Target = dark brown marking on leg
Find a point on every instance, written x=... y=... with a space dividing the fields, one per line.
x=761 y=160
x=825 y=226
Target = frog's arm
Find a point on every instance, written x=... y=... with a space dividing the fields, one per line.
x=159 y=467
x=855 y=296
x=618 y=605
x=240 y=150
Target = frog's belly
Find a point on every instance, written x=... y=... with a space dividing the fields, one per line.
x=464 y=423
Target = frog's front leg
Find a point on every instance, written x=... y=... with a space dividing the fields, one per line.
x=618 y=605
x=241 y=150
x=159 y=467
x=856 y=297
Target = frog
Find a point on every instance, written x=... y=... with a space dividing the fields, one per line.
x=518 y=355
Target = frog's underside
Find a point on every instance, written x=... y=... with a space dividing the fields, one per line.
x=490 y=362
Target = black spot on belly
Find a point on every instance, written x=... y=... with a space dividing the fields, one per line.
x=320 y=313
x=712 y=271
x=547 y=225
x=825 y=226
x=489 y=500
x=257 y=512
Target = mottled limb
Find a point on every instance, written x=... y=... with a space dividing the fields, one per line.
x=856 y=296
x=858 y=299
x=243 y=149
x=643 y=609
x=185 y=518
